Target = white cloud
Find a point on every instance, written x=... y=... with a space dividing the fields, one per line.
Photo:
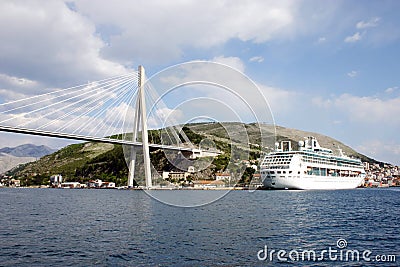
x=233 y=62
x=353 y=38
x=201 y=70
x=362 y=119
x=362 y=110
x=362 y=25
x=16 y=81
x=164 y=117
x=219 y=91
x=160 y=31
x=391 y=89
x=352 y=74
x=368 y=24
x=370 y=110
x=386 y=150
x=258 y=59
x=47 y=42
x=15 y=88
x=321 y=40
x=277 y=96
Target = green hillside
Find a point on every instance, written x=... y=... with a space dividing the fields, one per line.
x=86 y=161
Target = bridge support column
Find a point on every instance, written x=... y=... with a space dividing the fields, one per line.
x=135 y=132
x=140 y=120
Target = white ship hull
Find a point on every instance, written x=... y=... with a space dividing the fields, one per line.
x=313 y=182
x=310 y=167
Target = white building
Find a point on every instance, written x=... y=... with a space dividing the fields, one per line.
x=198 y=153
x=108 y=185
x=222 y=176
x=56 y=180
x=71 y=185
x=95 y=183
x=191 y=169
x=15 y=183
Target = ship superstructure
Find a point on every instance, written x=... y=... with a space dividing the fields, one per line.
x=310 y=167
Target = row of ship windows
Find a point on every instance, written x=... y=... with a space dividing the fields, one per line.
x=269 y=161
x=276 y=161
x=332 y=172
x=279 y=159
x=319 y=172
x=275 y=167
x=328 y=162
x=277 y=172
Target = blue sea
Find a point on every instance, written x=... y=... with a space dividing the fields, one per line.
x=62 y=227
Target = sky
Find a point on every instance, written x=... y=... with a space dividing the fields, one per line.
x=330 y=67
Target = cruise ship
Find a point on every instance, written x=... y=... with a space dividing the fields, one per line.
x=309 y=167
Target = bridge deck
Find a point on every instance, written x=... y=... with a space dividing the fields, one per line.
x=87 y=138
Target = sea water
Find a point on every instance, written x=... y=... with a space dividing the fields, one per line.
x=66 y=227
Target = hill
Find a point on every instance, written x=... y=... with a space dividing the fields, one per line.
x=81 y=162
x=13 y=156
x=28 y=150
x=269 y=134
x=7 y=162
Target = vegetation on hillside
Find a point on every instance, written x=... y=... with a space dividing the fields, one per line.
x=88 y=161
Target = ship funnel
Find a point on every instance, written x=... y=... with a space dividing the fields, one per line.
x=286 y=146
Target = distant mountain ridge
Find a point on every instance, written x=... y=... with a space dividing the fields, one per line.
x=11 y=157
x=28 y=150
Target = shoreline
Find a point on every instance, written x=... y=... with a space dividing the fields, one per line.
x=190 y=189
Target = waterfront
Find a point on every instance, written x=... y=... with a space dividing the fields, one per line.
x=50 y=227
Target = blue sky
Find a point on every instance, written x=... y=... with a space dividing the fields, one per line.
x=326 y=66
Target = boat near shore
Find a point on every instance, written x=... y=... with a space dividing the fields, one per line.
x=310 y=167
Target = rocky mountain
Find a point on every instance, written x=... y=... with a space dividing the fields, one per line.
x=7 y=162
x=271 y=134
x=28 y=150
x=81 y=162
x=11 y=157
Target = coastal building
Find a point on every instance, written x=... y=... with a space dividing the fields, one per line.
x=100 y=184
x=191 y=169
x=15 y=183
x=207 y=184
x=222 y=176
x=56 y=180
x=108 y=185
x=381 y=175
x=256 y=181
x=165 y=175
x=70 y=185
x=178 y=176
x=199 y=153
x=95 y=183
x=8 y=181
x=366 y=166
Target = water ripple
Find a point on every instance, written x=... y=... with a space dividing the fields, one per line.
x=128 y=228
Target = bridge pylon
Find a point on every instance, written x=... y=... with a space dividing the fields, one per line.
x=140 y=125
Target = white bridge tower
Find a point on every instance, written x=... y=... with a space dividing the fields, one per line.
x=140 y=125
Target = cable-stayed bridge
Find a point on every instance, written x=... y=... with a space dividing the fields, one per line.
x=111 y=110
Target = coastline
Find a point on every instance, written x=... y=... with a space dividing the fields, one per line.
x=193 y=189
